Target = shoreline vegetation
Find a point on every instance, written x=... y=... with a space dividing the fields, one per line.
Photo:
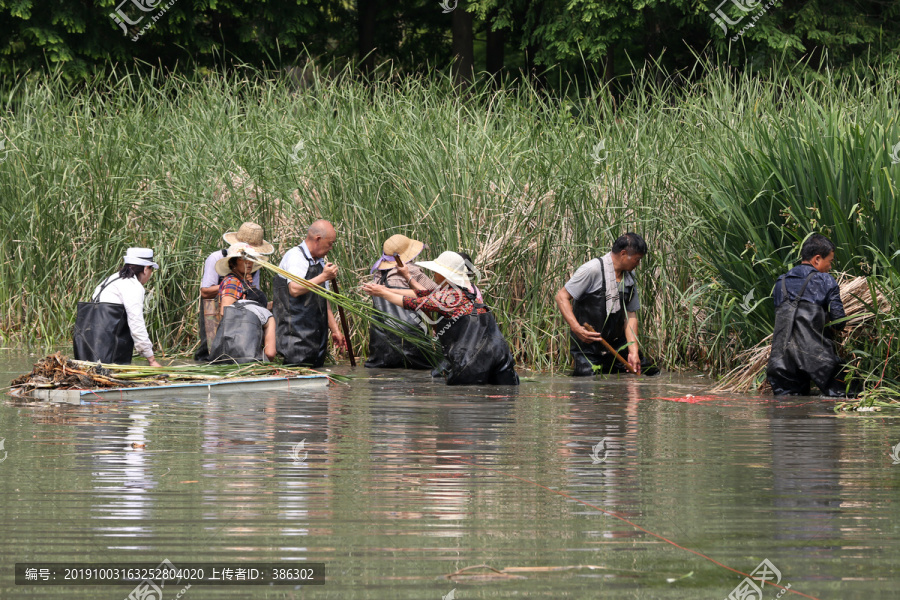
x=723 y=175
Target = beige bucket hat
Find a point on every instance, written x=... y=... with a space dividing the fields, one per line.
x=252 y=234
x=452 y=266
x=238 y=251
x=398 y=244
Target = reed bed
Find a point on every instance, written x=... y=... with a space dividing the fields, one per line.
x=721 y=176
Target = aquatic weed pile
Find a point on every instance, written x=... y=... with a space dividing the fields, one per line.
x=59 y=372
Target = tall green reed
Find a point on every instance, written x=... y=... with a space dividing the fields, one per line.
x=531 y=186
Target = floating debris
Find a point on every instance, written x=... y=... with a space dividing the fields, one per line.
x=61 y=373
x=58 y=372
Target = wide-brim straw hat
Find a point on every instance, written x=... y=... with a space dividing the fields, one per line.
x=239 y=250
x=399 y=244
x=252 y=234
x=452 y=266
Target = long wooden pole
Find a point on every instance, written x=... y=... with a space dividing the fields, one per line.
x=344 y=325
x=611 y=349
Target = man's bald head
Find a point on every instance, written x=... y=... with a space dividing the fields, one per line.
x=320 y=238
x=320 y=228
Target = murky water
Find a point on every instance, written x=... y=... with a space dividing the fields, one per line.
x=402 y=481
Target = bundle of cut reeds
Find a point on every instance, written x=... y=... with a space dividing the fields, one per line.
x=59 y=372
x=856 y=295
x=368 y=313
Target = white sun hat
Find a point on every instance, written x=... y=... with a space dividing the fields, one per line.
x=239 y=250
x=452 y=266
x=140 y=256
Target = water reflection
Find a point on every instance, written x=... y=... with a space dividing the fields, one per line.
x=806 y=447
x=122 y=480
x=401 y=481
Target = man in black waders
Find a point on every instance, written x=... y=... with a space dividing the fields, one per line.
x=600 y=302
x=803 y=348
x=303 y=318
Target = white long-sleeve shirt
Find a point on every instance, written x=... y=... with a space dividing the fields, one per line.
x=130 y=293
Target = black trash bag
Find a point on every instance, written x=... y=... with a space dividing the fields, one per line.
x=801 y=351
x=386 y=349
x=591 y=309
x=239 y=338
x=101 y=332
x=301 y=324
x=476 y=351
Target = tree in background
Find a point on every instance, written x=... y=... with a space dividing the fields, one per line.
x=594 y=38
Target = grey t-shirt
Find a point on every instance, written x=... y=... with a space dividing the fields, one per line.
x=589 y=278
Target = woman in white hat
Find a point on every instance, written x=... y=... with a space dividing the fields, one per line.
x=210 y=311
x=476 y=351
x=247 y=330
x=111 y=326
x=386 y=349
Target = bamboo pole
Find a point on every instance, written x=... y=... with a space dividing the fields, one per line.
x=344 y=325
x=611 y=349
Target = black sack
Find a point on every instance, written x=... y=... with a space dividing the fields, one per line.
x=239 y=338
x=101 y=333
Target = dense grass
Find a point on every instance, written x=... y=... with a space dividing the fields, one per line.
x=512 y=176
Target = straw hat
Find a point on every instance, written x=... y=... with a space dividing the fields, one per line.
x=252 y=234
x=141 y=257
x=452 y=266
x=238 y=251
x=399 y=244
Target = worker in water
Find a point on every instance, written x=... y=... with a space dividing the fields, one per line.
x=247 y=330
x=111 y=326
x=807 y=299
x=210 y=309
x=601 y=302
x=303 y=318
x=476 y=351
x=386 y=349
